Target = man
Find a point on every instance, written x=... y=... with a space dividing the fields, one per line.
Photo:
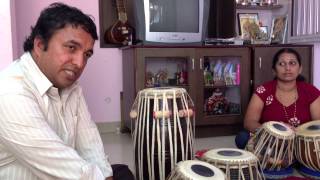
x=46 y=131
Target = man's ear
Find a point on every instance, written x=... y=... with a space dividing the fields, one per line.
x=38 y=46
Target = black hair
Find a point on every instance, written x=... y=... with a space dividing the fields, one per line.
x=291 y=51
x=56 y=17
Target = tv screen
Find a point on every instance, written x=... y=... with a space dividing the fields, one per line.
x=171 y=21
x=171 y=16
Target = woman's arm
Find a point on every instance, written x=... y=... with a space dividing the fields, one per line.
x=315 y=109
x=253 y=114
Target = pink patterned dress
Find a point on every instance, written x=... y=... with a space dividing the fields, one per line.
x=295 y=114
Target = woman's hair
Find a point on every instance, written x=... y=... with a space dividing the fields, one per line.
x=291 y=51
x=55 y=17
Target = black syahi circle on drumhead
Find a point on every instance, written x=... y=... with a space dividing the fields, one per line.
x=229 y=153
x=313 y=127
x=279 y=127
x=202 y=170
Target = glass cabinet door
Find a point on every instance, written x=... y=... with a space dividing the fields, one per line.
x=166 y=71
x=225 y=81
x=160 y=67
x=221 y=81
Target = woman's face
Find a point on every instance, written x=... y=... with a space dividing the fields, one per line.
x=287 y=68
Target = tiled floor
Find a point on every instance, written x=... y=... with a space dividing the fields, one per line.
x=120 y=150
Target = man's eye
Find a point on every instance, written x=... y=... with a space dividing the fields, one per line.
x=88 y=55
x=70 y=47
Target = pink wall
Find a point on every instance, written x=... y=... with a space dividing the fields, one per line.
x=6 y=49
x=102 y=78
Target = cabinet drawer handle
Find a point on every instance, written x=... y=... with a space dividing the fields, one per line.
x=192 y=63
x=260 y=62
x=200 y=63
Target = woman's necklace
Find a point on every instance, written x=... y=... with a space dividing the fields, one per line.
x=294 y=121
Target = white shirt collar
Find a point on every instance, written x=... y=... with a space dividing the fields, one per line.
x=41 y=82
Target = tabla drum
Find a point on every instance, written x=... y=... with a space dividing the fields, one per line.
x=237 y=164
x=307 y=148
x=163 y=134
x=196 y=170
x=274 y=146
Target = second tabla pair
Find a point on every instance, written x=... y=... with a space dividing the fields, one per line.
x=277 y=146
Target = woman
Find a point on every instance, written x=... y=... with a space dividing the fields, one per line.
x=287 y=98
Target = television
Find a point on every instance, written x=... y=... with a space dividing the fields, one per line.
x=171 y=21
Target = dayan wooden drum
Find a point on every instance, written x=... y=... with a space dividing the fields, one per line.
x=163 y=133
x=236 y=163
x=274 y=145
x=307 y=145
x=196 y=170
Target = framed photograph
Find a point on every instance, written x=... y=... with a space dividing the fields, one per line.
x=264 y=29
x=264 y=34
x=278 y=29
x=246 y=20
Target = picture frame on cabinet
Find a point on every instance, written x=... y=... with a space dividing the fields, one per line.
x=278 y=29
x=245 y=24
x=264 y=34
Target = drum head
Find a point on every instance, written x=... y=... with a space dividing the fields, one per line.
x=278 y=129
x=194 y=169
x=229 y=154
x=310 y=129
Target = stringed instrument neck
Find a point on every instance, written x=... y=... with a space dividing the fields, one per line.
x=121 y=9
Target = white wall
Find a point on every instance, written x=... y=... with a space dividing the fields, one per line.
x=316 y=65
x=102 y=78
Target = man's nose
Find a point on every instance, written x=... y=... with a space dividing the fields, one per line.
x=79 y=61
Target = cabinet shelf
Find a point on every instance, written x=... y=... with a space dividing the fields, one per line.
x=258 y=7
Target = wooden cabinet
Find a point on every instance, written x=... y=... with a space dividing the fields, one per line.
x=202 y=71
x=219 y=79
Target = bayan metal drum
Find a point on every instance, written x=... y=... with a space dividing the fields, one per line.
x=196 y=170
x=307 y=148
x=163 y=134
x=236 y=163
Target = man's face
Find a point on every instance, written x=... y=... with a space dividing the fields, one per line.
x=66 y=56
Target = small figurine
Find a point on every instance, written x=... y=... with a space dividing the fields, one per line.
x=217 y=103
x=149 y=79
